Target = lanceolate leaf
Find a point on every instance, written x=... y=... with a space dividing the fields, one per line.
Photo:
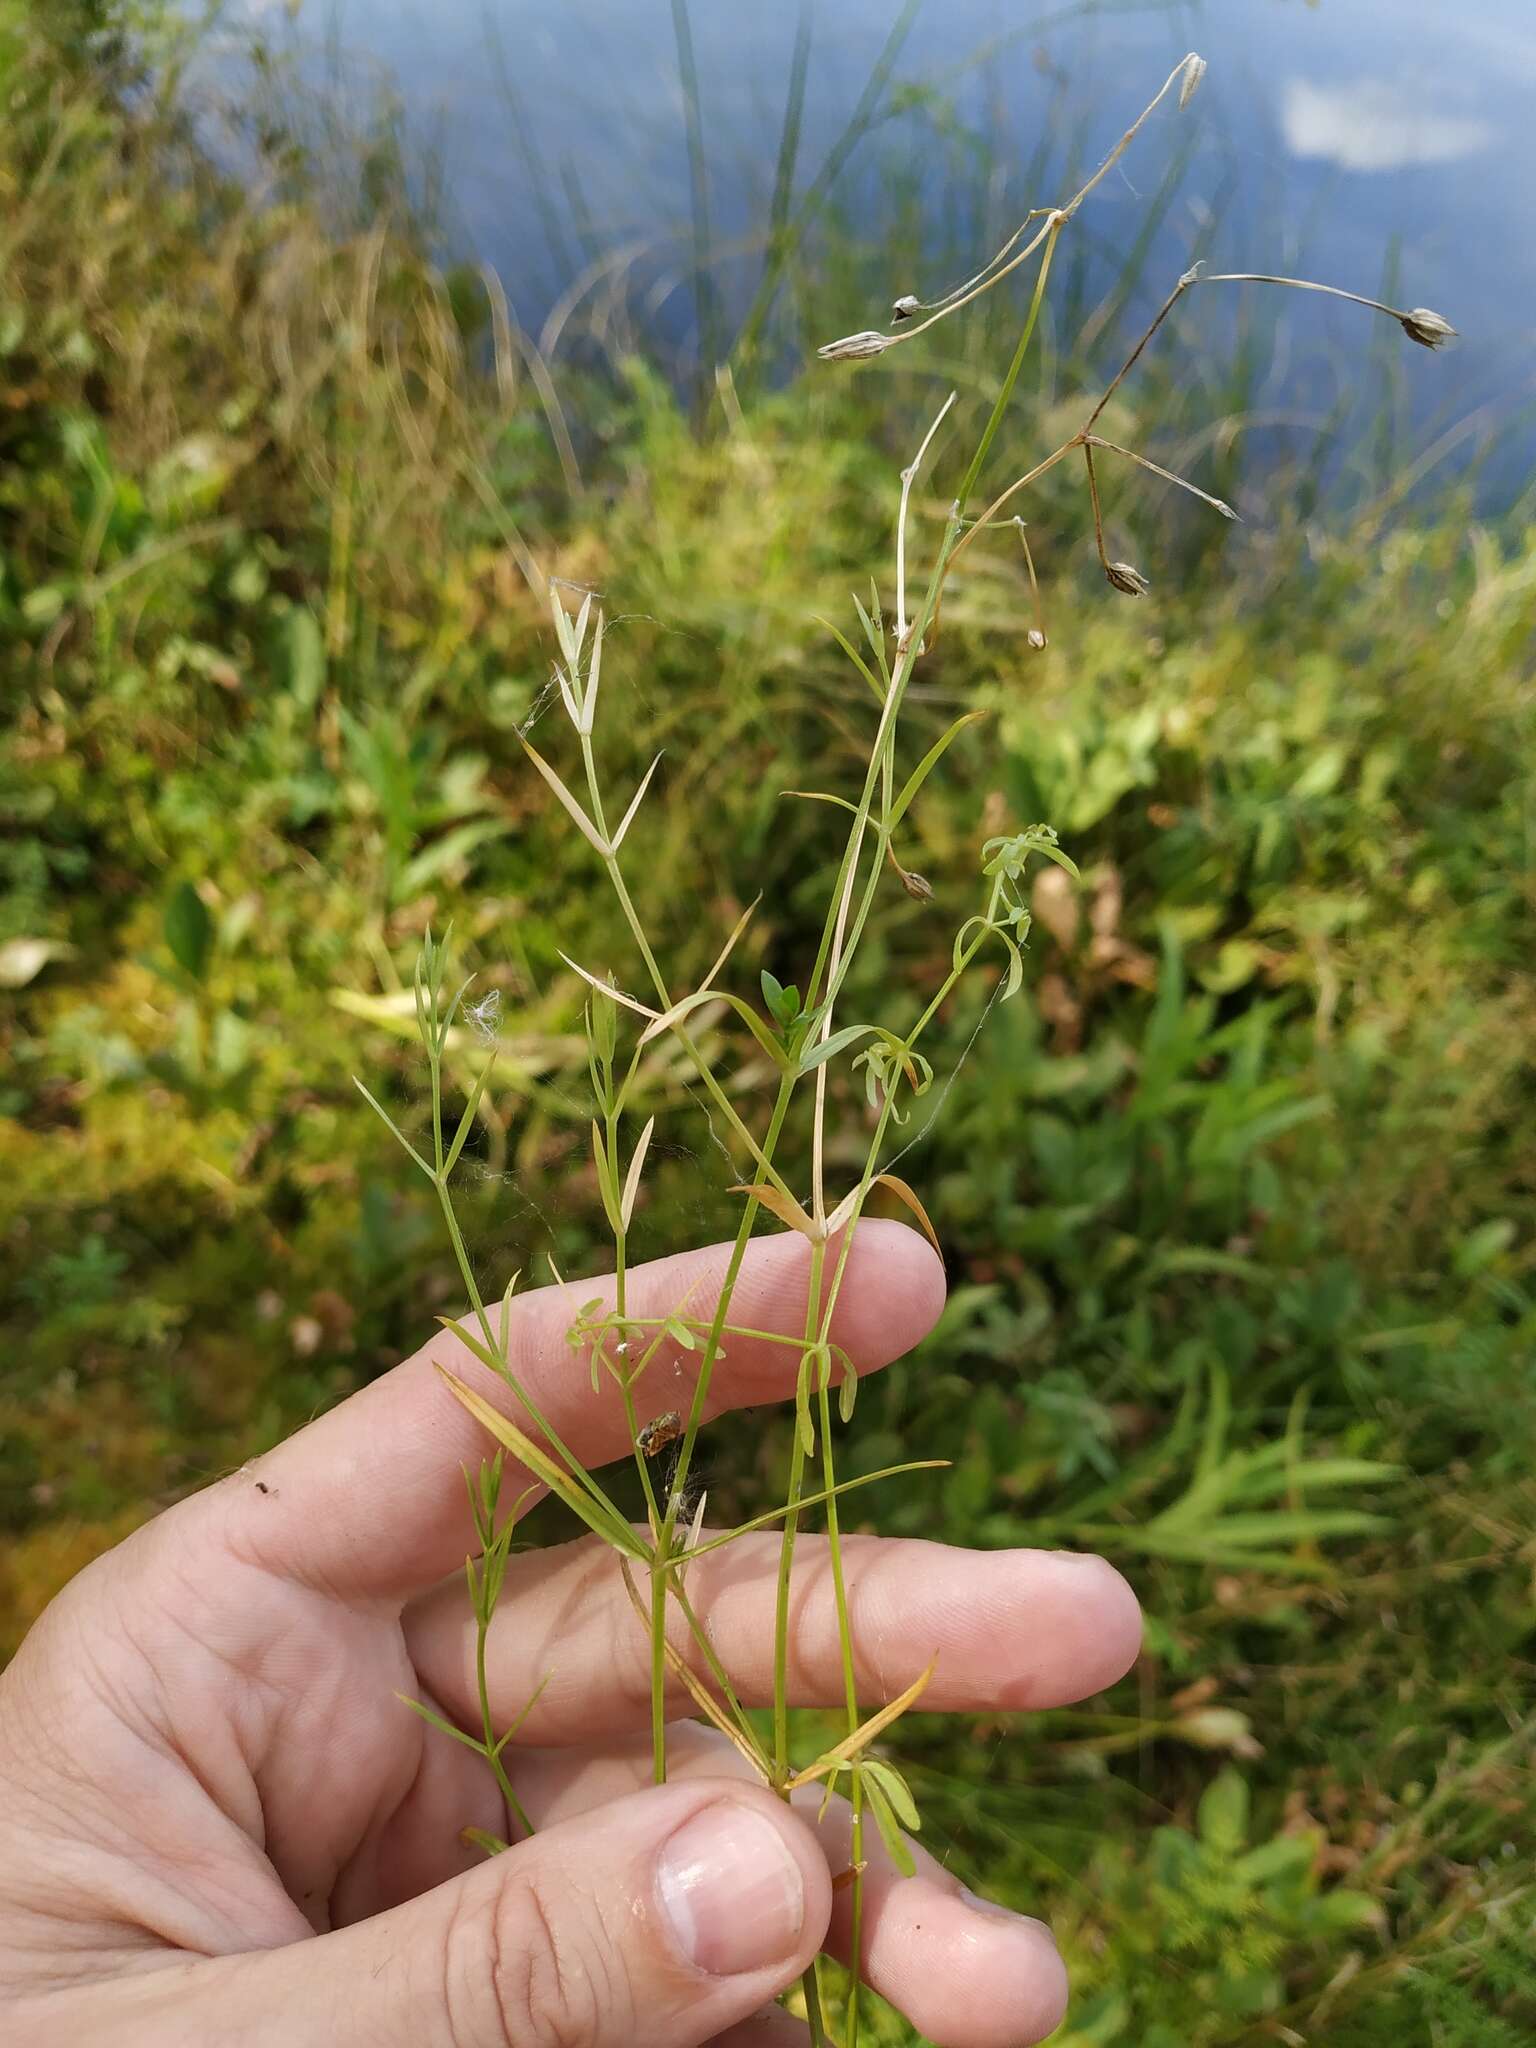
x=779 y=1204
x=584 y=824
x=605 y=1185
x=855 y=657
x=634 y=804
x=466 y=1121
x=896 y=1846
x=822 y=796
x=381 y=1112
x=632 y=1178
x=606 y=988
x=926 y=766
x=896 y=1790
x=602 y=1518
x=904 y=1193
x=852 y=1745
x=594 y=671
x=829 y=1048
x=812 y=1500
x=679 y=1013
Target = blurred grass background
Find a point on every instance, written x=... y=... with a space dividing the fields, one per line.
x=1238 y=1201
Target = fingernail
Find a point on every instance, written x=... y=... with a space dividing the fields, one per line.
x=732 y=1890
x=994 y=1911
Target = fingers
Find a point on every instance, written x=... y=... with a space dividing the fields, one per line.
x=368 y=1502
x=665 y=1921
x=1011 y=1629
x=966 y=1973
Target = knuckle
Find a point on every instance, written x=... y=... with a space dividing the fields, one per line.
x=528 y=1968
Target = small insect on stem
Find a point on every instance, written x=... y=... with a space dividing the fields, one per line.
x=659 y=1432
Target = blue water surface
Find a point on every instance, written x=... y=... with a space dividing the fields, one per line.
x=1359 y=139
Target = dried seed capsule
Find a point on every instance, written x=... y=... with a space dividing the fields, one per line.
x=1428 y=329
x=1126 y=577
x=917 y=886
x=854 y=348
x=1037 y=639
x=906 y=306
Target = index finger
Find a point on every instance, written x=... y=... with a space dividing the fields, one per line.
x=367 y=1503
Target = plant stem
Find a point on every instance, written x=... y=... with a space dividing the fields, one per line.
x=1051 y=232
x=787 y=1540
x=493 y=1754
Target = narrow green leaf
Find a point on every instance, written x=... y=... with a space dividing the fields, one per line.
x=897 y=1791
x=822 y=796
x=812 y=1500
x=926 y=766
x=594 y=670
x=855 y=657
x=583 y=823
x=394 y=1129
x=828 y=1048
x=847 y=1394
x=466 y=1121
x=634 y=804
x=443 y=1727
x=605 y=1181
x=896 y=1845
x=598 y=1513
x=632 y=1178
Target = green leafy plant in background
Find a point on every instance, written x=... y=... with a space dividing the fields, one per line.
x=1225 y=1513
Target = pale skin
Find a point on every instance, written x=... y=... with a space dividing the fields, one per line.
x=219 y=1827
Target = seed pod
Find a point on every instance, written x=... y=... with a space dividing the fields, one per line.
x=1126 y=577
x=1428 y=329
x=906 y=306
x=1194 y=71
x=1037 y=639
x=855 y=348
x=917 y=886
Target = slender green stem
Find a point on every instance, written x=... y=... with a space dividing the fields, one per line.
x=787 y=1538
x=493 y=1753
x=1005 y=391
x=851 y=1707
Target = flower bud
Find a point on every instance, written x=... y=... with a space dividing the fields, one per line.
x=917 y=886
x=1126 y=577
x=854 y=348
x=1428 y=329
x=906 y=306
x=1037 y=638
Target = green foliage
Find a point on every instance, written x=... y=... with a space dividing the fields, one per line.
x=1206 y=1926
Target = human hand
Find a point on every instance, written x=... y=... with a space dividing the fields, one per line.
x=219 y=1824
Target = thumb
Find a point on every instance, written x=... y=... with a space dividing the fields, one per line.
x=658 y=1921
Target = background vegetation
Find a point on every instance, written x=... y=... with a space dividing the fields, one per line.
x=1239 y=1201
